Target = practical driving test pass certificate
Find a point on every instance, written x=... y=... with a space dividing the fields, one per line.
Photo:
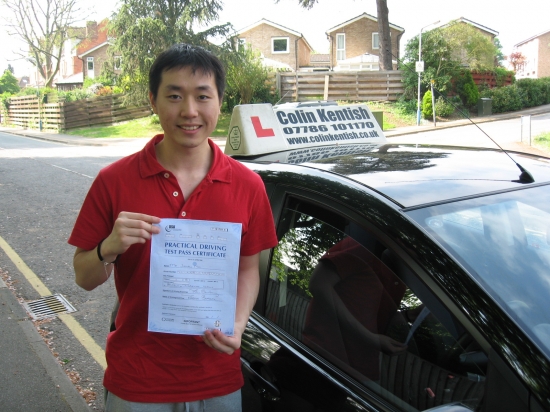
x=193 y=276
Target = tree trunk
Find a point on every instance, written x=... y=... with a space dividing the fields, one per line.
x=384 y=38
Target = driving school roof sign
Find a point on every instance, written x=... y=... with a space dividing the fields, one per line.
x=263 y=128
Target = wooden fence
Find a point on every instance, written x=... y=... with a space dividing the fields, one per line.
x=27 y=111
x=489 y=80
x=352 y=85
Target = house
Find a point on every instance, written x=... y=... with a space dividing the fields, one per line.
x=70 y=66
x=287 y=47
x=93 y=51
x=536 y=51
x=83 y=55
x=357 y=37
x=461 y=55
x=486 y=31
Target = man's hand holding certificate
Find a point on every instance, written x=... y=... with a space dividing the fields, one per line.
x=193 y=276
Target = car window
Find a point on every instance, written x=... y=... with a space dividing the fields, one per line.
x=347 y=297
x=504 y=242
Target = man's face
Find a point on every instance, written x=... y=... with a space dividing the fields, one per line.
x=188 y=106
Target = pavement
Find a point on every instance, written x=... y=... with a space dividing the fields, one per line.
x=31 y=379
x=397 y=132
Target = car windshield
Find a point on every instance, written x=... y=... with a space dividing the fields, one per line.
x=504 y=242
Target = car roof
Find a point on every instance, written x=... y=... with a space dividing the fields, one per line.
x=414 y=175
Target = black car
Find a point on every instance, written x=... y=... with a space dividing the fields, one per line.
x=406 y=277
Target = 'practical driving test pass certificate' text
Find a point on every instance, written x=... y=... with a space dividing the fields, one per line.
x=193 y=276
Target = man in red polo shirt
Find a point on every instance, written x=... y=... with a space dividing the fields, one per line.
x=180 y=174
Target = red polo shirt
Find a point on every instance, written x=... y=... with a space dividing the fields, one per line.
x=158 y=367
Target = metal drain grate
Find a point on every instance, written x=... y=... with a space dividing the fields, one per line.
x=48 y=306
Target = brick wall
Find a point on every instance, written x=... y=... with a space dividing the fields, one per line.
x=304 y=54
x=359 y=38
x=100 y=56
x=260 y=38
x=544 y=56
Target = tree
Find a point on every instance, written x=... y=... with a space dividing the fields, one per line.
x=42 y=25
x=145 y=28
x=384 y=35
x=383 y=31
x=439 y=64
x=517 y=60
x=246 y=79
x=499 y=57
x=8 y=83
x=470 y=46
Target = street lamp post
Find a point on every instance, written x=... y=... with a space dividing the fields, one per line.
x=33 y=61
x=420 y=69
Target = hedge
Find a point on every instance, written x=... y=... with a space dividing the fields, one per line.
x=522 y=94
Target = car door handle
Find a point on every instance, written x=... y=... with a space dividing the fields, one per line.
x=259 y=380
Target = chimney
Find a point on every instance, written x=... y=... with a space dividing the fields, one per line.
x=91 y=30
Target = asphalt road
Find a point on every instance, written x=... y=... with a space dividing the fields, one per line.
x=512 y=134
x=42 y=186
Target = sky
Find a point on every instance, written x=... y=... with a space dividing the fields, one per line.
x=513 y=23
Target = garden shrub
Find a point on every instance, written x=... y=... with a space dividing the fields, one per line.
x=501 y=74
x=505 y=99
x=466 y=89
x=427 y=110
x=443 y=108
x=406 y=107
x=534 y=90
x=247 y=80
x=154 y=119
x=74 y=95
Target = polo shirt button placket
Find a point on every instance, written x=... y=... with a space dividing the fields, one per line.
x=183 y=214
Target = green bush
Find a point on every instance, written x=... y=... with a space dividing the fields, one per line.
x=536 y=91
x=247 y=80
x=443 y=108
x=406 y=107
x=501 y=73
x=4 y=104
x=466 y=89
x=427 y=110
x=154 y=119
x=505 y=99
x=8 y=83
x=74 y=95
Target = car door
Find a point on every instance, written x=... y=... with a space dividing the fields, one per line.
x=344 y=324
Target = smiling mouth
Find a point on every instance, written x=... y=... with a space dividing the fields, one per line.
x=189 y=128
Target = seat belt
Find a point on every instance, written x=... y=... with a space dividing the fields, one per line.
x=422 y=315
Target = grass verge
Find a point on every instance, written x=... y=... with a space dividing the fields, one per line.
x=144 y=127
x=542 y=140
x=395 y=115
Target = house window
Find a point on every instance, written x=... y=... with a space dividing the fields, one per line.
x=279 y=45
x=90 y=67
x=118 y=62
x=340 y=46
x=375 y=41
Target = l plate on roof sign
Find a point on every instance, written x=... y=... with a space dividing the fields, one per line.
x=262 y=128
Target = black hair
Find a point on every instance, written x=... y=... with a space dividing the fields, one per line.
x=181 y=55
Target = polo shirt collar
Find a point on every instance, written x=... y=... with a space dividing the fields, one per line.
x=149 y=166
